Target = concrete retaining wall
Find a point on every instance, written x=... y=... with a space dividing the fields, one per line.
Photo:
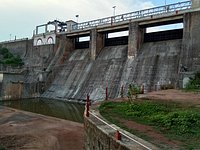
x=12 y=86
x=98 y=138
x=101 y=136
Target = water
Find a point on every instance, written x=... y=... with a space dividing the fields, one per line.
x=55 y=108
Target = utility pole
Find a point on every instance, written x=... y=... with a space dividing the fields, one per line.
x=114 y=10
x=10 y=36
x=77 y=18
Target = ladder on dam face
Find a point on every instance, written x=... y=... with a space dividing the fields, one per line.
x=166 y=9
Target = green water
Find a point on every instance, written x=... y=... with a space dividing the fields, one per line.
x=55 y=108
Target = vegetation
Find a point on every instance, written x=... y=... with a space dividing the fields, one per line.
x=194 y=83
x=175 y=121
x=7 y=58
x=133 y=92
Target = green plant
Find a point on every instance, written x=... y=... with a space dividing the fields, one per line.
x=194 y=83
x=133 y=92
x=176 y=121
x=180 y=121
x=9 y=58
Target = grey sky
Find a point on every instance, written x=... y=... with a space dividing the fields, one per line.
x=19 y=17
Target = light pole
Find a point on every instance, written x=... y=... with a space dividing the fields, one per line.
x=77 y=18
x=114 y=10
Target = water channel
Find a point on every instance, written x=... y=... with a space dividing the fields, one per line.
x=55 y=108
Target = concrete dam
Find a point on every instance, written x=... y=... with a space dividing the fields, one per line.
x=60 y=66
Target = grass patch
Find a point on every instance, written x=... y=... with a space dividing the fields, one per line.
x=177 y=122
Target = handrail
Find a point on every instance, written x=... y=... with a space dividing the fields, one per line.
x=120 y=132
x=16 y=40
x=133 y=15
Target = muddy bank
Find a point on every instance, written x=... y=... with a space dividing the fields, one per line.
x=25 y=130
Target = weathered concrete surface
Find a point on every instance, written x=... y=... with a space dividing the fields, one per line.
x=195 y=3
x=155 y=62
x=135 y=40
x=19 y=47
x=1 y=90
x=190 y=54
x=96 y=43
x=24 y=130
x=80 y=76
x=12 y=86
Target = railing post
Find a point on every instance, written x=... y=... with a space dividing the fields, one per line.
x=142 y=89
x=122 y=91
x=118 y=135
x=87 y=106
x=88 y=100
x=106 y=93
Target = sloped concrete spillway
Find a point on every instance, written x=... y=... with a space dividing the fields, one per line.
x=156 y=62
x=81 y=76
x=71 y=75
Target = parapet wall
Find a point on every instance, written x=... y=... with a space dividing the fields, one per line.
x=98 y=138
x=100 y=135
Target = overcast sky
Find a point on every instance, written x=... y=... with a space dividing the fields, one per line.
x=20 y=17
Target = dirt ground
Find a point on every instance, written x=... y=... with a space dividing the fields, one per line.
x=24 y=130
x=174 y=95
x=165 y=95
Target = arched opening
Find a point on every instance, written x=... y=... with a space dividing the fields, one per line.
x=50 y=40
x=39 y=42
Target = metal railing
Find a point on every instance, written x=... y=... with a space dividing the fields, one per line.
x=15 y=40
x=123 y=134
x=134 y=15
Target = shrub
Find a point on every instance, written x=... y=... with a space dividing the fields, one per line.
x=133 y=92
x=181 y=122
x=9 y=58
x=194 y=83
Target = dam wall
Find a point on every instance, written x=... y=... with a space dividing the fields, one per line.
x=156 y=64
x=26 y=82
x=59 y=71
